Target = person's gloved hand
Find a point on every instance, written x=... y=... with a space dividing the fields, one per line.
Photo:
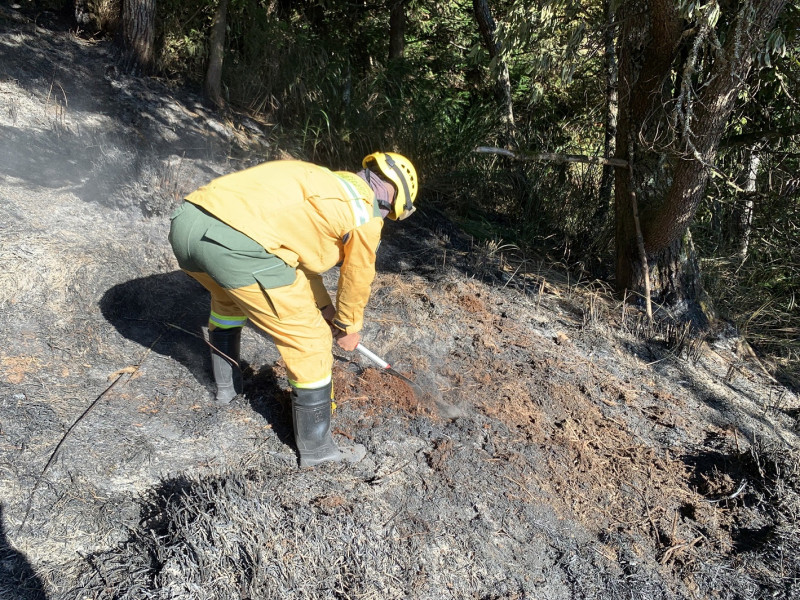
x=348 y=341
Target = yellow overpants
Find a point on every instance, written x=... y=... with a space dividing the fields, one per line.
x=289 y=315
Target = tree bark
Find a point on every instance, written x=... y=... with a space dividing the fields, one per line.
x=743 y=212
x=213 y=83
x=487 y=28
x=610 y=60
x=138 y=34
x=397 y=30
x=673 y=136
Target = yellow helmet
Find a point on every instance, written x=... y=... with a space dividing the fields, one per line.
x=399 y=170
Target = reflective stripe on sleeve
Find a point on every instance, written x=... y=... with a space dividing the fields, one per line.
x=226 y=322
x=360 y=213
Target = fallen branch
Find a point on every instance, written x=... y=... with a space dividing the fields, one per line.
x=61 y=443
x=209 y=344
x=672 y=551
x=131 y=372
x=558 y=159
x=199 y=337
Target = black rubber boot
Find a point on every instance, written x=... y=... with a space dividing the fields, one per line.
x=227 y=375
x=311 y=417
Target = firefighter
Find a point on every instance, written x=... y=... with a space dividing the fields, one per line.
x=259 y=240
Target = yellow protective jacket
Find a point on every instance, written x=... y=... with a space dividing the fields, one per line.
x=310 y=217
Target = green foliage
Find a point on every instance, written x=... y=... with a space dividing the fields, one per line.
x=321 y=76
x=183 y=29
x=552 y=41
x=318 y=74
x=759 y=290
x=554 y=50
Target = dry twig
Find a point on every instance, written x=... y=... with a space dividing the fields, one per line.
x=131 y=372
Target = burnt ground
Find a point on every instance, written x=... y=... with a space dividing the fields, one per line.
x=560 y=449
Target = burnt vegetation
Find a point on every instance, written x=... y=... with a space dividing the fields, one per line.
x=558 y=441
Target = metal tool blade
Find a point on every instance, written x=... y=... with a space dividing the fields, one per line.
x=388 y=368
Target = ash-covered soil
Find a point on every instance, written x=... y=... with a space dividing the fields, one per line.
x=559 y=448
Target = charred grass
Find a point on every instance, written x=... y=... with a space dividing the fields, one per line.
x=562 y=446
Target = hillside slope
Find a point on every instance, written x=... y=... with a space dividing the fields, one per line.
x=560 y=450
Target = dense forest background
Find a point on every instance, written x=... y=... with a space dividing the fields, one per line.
x=651 y=144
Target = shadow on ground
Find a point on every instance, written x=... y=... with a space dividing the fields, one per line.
x=166 y=313
x=17 y=578
x=262 y=390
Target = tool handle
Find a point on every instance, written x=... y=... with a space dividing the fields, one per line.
x=373 y=357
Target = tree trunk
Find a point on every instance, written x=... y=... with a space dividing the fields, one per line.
x=743 y=213
x=643 y=68
x=487 y=28
x=213 y=83
x=610 y=60
x=397 y=30
x=671 y=136
x=138 y=34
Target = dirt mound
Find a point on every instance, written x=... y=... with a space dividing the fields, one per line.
x=559 y=448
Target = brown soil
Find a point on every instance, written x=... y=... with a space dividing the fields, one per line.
x=374 y=391
x=552 y=446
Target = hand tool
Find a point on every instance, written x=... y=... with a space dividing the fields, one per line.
x=388 y=368
x=444 y=409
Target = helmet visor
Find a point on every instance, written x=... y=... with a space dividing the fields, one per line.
x=406 y=213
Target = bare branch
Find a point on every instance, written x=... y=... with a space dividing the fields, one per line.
x=559 y=159
x=760 y=136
